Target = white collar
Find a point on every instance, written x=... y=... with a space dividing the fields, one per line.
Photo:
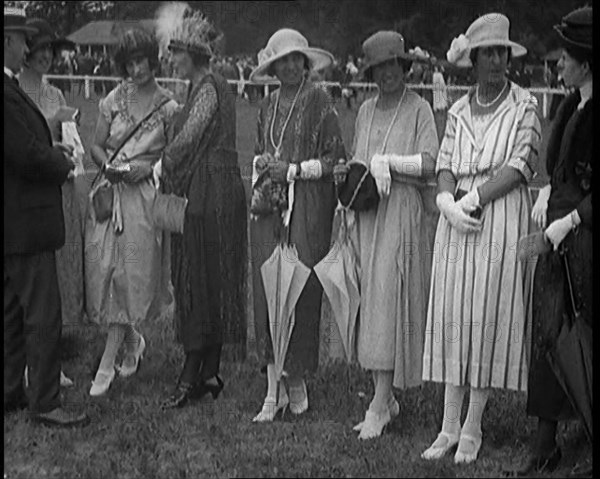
x=586 y=93
x=9 y=72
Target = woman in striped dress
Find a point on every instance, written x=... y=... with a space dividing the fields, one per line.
x=480 y=293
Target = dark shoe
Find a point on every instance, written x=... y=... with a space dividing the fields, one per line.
x=61 y=418
x=538 y=464
x=180 y=397
x=214 y=389
x=15 y=405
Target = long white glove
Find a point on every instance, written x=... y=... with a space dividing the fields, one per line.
x=380 y=169
x=410 y=165
x=540 y=209
x=455 y=215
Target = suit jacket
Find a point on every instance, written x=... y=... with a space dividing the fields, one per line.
x=33 y=174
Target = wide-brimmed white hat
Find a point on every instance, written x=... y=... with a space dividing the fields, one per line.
x=489 y=30
x=282 y=43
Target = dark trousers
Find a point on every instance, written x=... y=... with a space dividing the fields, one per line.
x=32 y=329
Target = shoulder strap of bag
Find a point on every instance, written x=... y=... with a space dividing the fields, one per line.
x=130 y=135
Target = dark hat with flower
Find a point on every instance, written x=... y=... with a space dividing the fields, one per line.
x=46 y=36
x=359 y=191
x=575 y=29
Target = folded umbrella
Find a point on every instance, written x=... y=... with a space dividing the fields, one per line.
x=571 y=358
x=284 y=277
x=338 y=273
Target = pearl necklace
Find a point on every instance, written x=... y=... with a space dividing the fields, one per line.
x=485 y=105
x=385 y=139
x=285 y=124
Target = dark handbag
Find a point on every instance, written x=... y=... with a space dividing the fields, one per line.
x=359 y=191
x=102 y=198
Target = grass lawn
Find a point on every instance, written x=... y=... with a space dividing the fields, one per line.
x=129 y=436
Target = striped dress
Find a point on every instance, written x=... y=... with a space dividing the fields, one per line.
x=478 y=318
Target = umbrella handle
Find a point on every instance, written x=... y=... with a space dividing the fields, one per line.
x=563 y=253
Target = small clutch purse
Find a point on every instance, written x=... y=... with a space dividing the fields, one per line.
x=168 y=212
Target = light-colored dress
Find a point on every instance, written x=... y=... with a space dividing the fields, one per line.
x=394 y=246
x=69 y=258
x=480 y=296
x=127 y=273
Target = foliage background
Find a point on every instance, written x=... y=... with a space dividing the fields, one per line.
x=339 y=26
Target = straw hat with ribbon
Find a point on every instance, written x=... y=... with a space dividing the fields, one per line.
x=16 y=21
x=282 y=43
x=383 y=46
x=488 y=30
x=575 y=29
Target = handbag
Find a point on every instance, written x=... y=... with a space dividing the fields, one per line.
x=102 y=193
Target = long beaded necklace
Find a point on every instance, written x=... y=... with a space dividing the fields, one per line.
x=277 y=145
x=385 y=138
x=485 y=105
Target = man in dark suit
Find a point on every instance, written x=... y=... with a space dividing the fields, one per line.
x=34 y=171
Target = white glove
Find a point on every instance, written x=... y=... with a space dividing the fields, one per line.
x=310 y=170
x=470 y=201
x=157 y=172
x=410 y=165
x=292 y=172
x=560 y=228
x=380 y=169
x=540 y=209
x=455 y=215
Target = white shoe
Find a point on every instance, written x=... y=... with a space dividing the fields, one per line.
x=65 y=382
x=126 y=371
x=374 y=424
x=394 y=408
x=468 y=454
x=442 y=444
x=302 y=405
x=102 y=382
x=271 y=408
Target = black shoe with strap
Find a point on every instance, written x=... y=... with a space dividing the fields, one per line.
x=184 y=391
x=60 y=418
x=537 y=464
x=205 y=388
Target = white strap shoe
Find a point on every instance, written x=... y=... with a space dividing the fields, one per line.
x=442 y=444
x=102 y=382
x=468 y=448
x=374 y=424
x=394 y=408
x=298 y=407
x=271 y=408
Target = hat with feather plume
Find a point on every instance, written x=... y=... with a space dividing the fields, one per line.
x=180 y=27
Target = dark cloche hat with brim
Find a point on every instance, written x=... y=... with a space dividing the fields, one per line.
x=46 y=35
x=359 y=192
x=575 y=29
x=16 y=21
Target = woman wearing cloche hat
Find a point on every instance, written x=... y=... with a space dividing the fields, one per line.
x=564 y=210
x=480 y=293
x=396 y=138
x=298 y=142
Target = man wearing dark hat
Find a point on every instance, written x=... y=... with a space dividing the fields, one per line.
x=564 y=211
x=34 y=171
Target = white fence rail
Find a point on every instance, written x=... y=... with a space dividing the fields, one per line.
x=88 y=79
